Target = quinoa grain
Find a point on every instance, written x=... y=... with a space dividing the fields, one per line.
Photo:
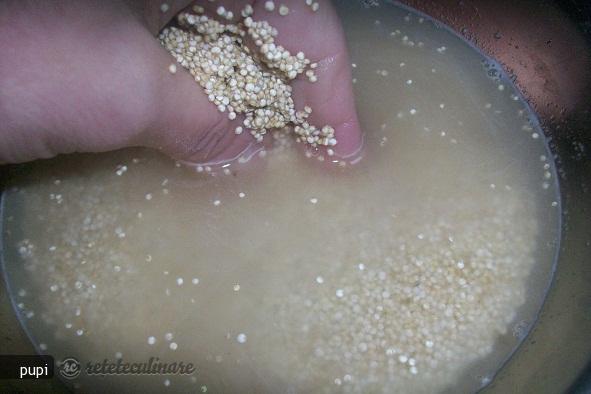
x=241 y=81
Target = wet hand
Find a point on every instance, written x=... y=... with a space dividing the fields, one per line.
x=82 y=76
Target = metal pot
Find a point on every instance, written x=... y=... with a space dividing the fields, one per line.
x=546 y=47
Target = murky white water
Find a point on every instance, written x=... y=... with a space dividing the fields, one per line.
x=417 y=270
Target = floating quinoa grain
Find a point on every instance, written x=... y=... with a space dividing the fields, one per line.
x=238 y=80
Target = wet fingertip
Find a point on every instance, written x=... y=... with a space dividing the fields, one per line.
x=349 y=140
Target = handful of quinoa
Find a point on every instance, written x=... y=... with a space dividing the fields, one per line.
x=238 y=80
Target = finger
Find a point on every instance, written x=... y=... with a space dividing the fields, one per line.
x=320 y=36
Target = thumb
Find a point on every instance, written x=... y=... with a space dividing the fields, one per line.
x=98 y=81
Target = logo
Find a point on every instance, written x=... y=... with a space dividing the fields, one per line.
x=70 y=368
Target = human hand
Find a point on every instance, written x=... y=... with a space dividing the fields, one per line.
x=87 y=76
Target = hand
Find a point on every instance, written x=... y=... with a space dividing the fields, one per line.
x=90 y=76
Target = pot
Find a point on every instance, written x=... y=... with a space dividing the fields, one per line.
x=546 y=47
